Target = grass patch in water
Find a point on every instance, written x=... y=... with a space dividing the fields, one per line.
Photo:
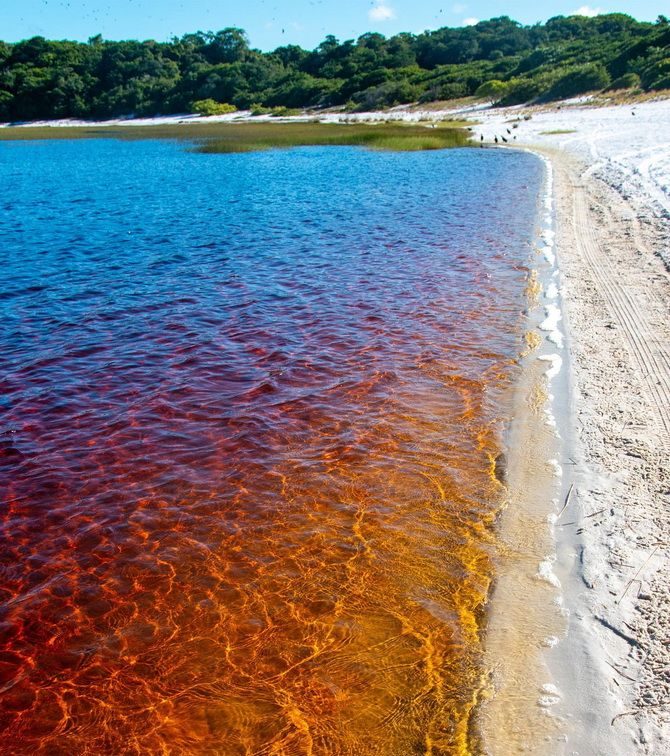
x=559 y=131
x=249 y=137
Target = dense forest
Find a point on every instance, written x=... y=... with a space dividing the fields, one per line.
x=499 y=58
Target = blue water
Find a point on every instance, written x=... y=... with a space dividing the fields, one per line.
x=248 y=408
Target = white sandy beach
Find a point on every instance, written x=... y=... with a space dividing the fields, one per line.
x=606 y=684
x=612 y=194
x=594 y=648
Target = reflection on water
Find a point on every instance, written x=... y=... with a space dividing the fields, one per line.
x=250 y=409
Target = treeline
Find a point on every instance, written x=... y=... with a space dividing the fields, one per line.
x=499 y=58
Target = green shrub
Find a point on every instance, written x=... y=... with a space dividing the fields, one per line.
x=387 y=94
x=577 y=81
x=453 y=90
x=211 y=107
x=627 y=81
x=524 y=89
x=657 y=76
x=5 y=104
x=300 y=90
x=281 y=111
x=566 y=56
x=450 y=90
x=492 y=90
x=258 y=110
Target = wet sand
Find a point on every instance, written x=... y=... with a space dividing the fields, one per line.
x=603 y=685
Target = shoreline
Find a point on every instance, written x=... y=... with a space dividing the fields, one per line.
x=609 y=669
x=597 y=536
x=526 y=618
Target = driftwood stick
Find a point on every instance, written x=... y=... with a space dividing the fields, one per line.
x=567 y=501
x=634 y=712
x=616 y=669
x=634 y=578
x=593 y=514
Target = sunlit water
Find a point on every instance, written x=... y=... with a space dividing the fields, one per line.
x=249 y=409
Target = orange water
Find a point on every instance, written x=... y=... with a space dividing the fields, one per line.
x=249 y=511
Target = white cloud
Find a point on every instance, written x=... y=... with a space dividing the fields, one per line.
x=587 y=10
x=381 y=12
x=471 y=21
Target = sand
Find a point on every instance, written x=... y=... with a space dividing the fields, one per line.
x=603 y=681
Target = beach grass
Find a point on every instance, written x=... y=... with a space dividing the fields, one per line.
x=250 y=137
x=558 y=131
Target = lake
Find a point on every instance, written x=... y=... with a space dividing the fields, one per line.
x=250 y=411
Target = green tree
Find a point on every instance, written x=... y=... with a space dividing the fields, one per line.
x=493 y=90
x=40 y=78
x=229 y=45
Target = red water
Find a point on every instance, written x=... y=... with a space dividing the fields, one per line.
x=249 y=512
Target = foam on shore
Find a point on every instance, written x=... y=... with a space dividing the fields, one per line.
x=527 y=611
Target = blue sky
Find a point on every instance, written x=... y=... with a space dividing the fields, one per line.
x=270 y=23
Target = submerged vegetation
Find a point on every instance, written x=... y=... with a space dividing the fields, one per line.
x=202 y=72
x=248 y=137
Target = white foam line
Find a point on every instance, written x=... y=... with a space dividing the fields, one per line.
x=548 y=236
x=550 y=324
x=546 y=573
x=552 y=291
x=556 y=364
x=558 y=470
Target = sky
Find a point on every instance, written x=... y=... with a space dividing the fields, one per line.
x=271 y=23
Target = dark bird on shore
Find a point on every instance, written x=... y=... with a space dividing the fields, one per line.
x=496 y=139
x=504 y=139
x=633 y=113
x=481 y=137
x=508 y=131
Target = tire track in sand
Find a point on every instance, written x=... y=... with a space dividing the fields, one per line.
x=650 y=356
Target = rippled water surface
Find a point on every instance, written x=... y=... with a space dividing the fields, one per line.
x=249 y=409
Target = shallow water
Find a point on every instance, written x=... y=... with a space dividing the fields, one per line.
x=250 y=407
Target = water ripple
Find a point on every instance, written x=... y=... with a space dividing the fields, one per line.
x=249 y=406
